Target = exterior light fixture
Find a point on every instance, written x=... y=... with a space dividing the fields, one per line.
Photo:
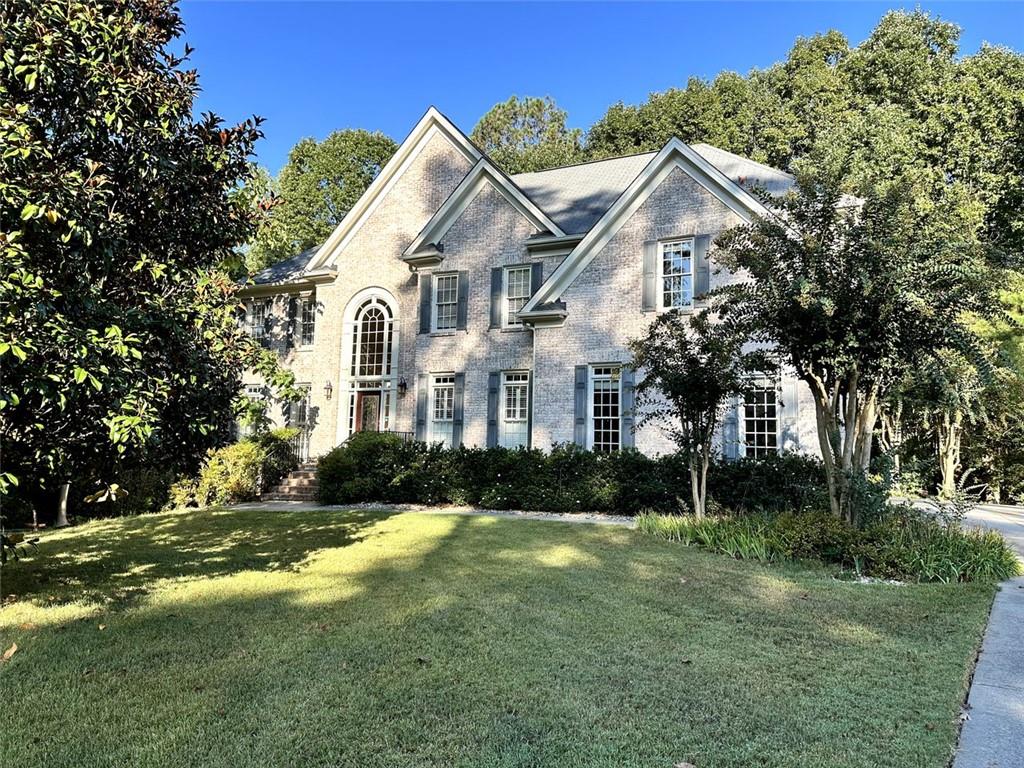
x=328 y=389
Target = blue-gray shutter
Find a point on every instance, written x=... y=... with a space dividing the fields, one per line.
x=626 y=420
x=290 y=332
x=426 y=289
x=730 y=429
x=457 y=411
x=701 y=267
x=580 y=428
x=529 y=411
x=536 y=277
x=789 y=411
x=493 y=384
x=497 y=280
x=650 y=292
x=463 y=299
x=421 y=407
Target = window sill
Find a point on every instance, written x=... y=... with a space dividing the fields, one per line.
x=511 y=329
x=443 y=333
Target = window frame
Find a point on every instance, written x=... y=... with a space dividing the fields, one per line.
x=435 y=304
x=441 y=382
x=508 y=320
x=522 y=423
x=267 y=306
x=661 y=276
x=752 y=451
x=615 y=375
x=307 y=303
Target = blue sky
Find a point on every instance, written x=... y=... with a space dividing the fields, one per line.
x=310 y=68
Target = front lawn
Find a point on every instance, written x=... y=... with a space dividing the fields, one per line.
x=319 y=638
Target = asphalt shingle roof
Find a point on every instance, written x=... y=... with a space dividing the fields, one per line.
x=283 y=271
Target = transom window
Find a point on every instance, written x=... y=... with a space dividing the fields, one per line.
x=442 y=409
x=307 y=322
x=515 y=409
x=675 y=275
x=605 y=408
x=517 y=292
x=371 y=352
x=446 y=300
x=259 y=314
x=761 y=421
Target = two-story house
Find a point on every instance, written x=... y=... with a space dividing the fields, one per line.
x=455 y=303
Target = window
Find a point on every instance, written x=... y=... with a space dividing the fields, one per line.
x=605 y=408
x=442 y=409
x=760 y=421
x=307 y=321
x=254 y=414
x=446 y=300
x=675 y=275
x=259 y=317
x=515 y=409
x=299 y=420
x=371 y=352
x=517 y=293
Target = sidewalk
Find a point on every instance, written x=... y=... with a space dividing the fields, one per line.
x=993 y=736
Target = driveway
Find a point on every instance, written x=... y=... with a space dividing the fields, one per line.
x=993 y=735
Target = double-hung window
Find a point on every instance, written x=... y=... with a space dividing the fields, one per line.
x=248 y=420
x=446 y=301
x=605 y=408
x=259 y=316
x=515 y=409
x=307 y=321
x=761 y=421
x=442 y=409
x=517 y=293
x=675 y=274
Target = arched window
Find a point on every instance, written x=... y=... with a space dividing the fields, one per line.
x=371 y=350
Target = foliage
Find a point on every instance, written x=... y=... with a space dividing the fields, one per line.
x=237 y=472
x=527 y=134
x=771 y=484
x=313 y=192
x=118 y=334
x=689 y=367
x=908 y=545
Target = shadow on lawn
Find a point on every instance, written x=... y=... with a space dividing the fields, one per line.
x=119 y=557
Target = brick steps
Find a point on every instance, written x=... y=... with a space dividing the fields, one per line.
x=299 y=485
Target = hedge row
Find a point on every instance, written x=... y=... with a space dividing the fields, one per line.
x=382 y=467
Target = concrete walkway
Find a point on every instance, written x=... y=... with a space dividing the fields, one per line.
x=993 y=734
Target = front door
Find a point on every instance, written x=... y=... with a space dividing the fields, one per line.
x=368 y=412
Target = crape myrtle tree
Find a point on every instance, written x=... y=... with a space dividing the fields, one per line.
x=854 y=298
x=118 y=331
x=690 y=366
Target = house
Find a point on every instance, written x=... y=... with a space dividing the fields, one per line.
x=455 y=303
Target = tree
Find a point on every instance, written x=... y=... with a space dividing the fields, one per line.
x=853 y=299
x=527 y=134
x=689 y=368
x=118 y=334
x=313 y=192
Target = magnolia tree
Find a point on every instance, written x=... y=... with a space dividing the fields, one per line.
x=855 y=299
x=690 y=367
x=118 y=333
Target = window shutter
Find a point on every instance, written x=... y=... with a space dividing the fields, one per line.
x=289 y=337
x=529 y=411
x=650 y=292
x=421 y=407
x=493 y=384
x=701 y=268
x=627 y=421
x=789 y=412
x=460 y=386
x=426 y=288
x=730 y=429
x=536 y=277
x=463 y=299
x=580 y=429
x=497 y=279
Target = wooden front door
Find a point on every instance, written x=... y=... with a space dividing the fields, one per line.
x=368 y=412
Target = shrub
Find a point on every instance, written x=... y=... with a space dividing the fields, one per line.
x=905 y=546
x=146 y=489
x=773 y=484
x=363 y=469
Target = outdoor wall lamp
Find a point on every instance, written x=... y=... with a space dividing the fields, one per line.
x=328 y=389
x=402 y=388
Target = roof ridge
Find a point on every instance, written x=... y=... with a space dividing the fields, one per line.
x=587 y=162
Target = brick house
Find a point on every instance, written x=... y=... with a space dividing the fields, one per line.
x=456 y=303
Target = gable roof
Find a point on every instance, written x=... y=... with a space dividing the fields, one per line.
x=745 y=172
x=576 y=196
x=675 y=154
x=431 y=124
x=291 y=268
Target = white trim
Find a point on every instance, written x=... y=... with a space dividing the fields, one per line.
x=660 y=272
x=505 y=314
x=483 y=173
x=523 y=424
x=432 y=123
x=434 y=278
x=741 y=417
x=590 y=400
x=675 y=154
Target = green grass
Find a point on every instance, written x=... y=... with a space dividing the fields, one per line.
x=245 y=638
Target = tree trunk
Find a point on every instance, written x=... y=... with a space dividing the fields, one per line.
x=62 y=508
x=949 y=433
x=695 y=494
